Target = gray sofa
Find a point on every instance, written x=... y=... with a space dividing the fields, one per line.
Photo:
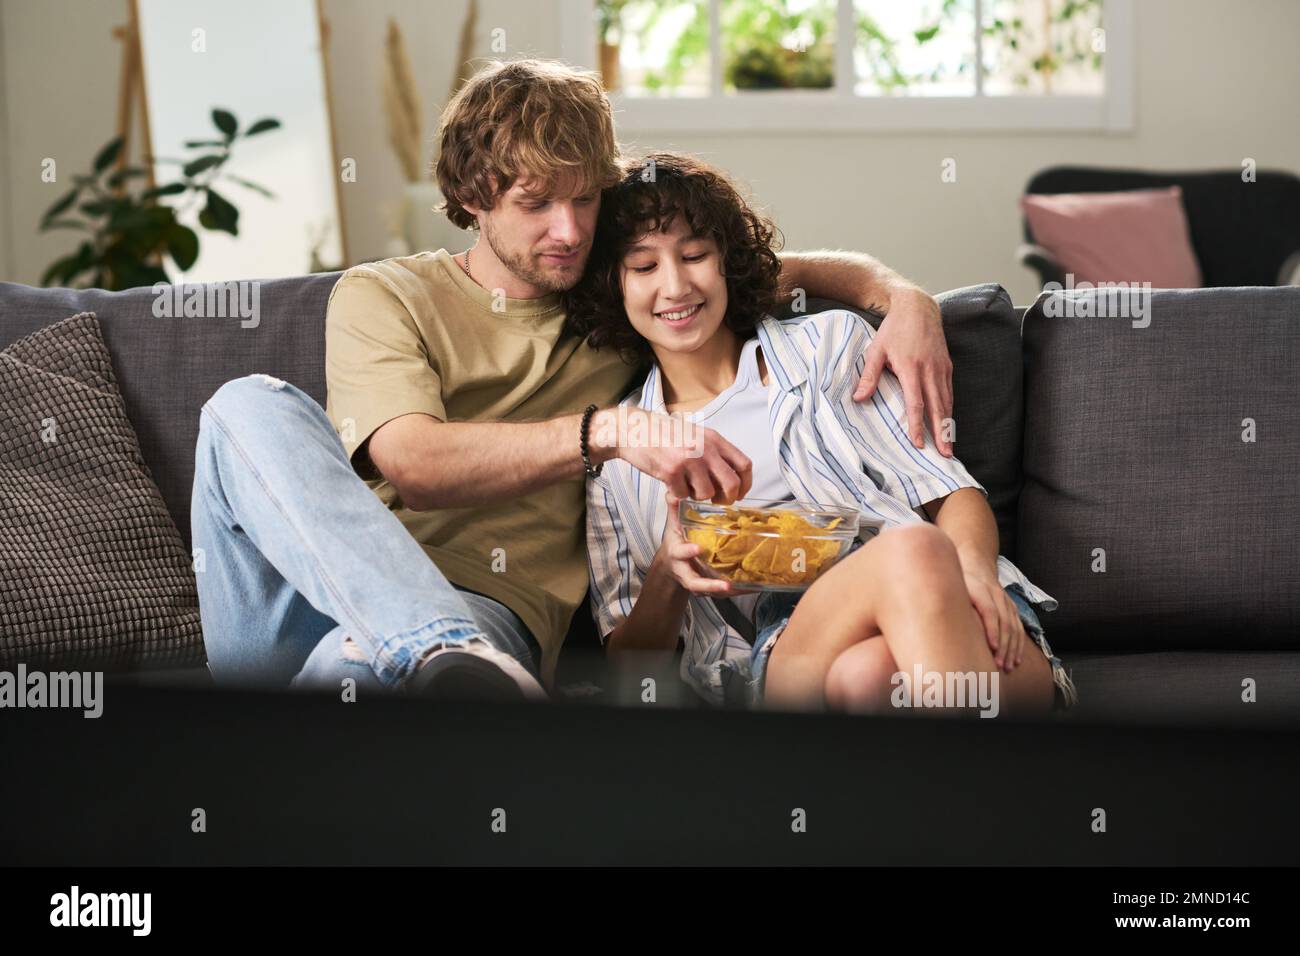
x=1113 y=453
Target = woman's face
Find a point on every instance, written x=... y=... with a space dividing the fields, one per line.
x=673 y=290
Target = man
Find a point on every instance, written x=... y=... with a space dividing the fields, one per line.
x=456 y=566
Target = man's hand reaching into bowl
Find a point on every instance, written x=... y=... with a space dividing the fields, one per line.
x=693 y=461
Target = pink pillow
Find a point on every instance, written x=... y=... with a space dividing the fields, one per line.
x=1135 y=236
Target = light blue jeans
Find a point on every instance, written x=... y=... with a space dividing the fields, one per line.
x=294 y=553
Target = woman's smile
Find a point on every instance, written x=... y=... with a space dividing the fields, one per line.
x=680 y=317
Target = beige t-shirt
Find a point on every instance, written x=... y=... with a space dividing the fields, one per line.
x=415 y=334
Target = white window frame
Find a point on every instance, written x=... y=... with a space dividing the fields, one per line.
x=840 y=109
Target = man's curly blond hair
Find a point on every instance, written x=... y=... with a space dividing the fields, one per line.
x=536 y=120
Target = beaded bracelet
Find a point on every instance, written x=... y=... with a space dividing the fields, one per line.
x=592 y=472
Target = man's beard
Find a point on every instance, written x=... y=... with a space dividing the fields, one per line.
x=523 y=266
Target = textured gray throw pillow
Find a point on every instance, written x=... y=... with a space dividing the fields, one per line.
x=93 y=572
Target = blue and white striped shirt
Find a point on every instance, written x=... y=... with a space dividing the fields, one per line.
x=831 y=450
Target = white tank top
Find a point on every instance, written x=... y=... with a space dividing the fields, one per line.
x=739 y=414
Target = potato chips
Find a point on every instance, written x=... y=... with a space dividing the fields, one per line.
x=750 y=546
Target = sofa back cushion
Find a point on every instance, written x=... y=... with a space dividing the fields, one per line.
x=173 y=349
x=168 y=367
x=1164 y=449
x=982 y=329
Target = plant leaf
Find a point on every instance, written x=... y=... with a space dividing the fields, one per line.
x=261 y=126
x=222 y=214
x=64 y=224
x=253 y=186
x=196 y=166
x=122 y=175
x=225 y=121
x=66 y=268
x=62 y=204
x=182 y=246
x=171 y=189
x=108 y=155
x=57 y=268
x=129 y=219
x=132 y=274
x=193 y=143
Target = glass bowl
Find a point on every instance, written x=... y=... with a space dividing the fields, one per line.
x=759 y=546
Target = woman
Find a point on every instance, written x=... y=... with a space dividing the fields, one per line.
x=683 y=273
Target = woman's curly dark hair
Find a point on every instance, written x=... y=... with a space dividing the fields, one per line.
x=653 y=191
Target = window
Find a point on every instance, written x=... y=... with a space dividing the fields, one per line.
x=718 y=65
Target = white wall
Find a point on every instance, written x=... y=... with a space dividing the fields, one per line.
x=60 y=90
x=6 y=221
x=1217 y=81
x=61 y=71
x=431 y=29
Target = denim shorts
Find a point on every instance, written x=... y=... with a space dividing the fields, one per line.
x=773 y=609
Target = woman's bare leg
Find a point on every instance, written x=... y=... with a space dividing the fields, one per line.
x=848 y=604
x=906 y=587
x=861 y=679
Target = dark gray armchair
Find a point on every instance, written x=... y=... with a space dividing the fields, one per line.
x=1243 y=233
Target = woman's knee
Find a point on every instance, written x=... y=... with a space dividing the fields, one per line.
x=919 y=568
x=900 y=555
x=860 y=679
x=916 y=546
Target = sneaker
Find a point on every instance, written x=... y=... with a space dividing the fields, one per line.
x=473 y=670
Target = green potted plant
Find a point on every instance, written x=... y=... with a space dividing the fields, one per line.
x=129 y=234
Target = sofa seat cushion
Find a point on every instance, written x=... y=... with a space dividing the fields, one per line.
x=1188 y=686
x=93 y=571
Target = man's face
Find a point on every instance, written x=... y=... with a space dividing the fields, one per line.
x=543 y=239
